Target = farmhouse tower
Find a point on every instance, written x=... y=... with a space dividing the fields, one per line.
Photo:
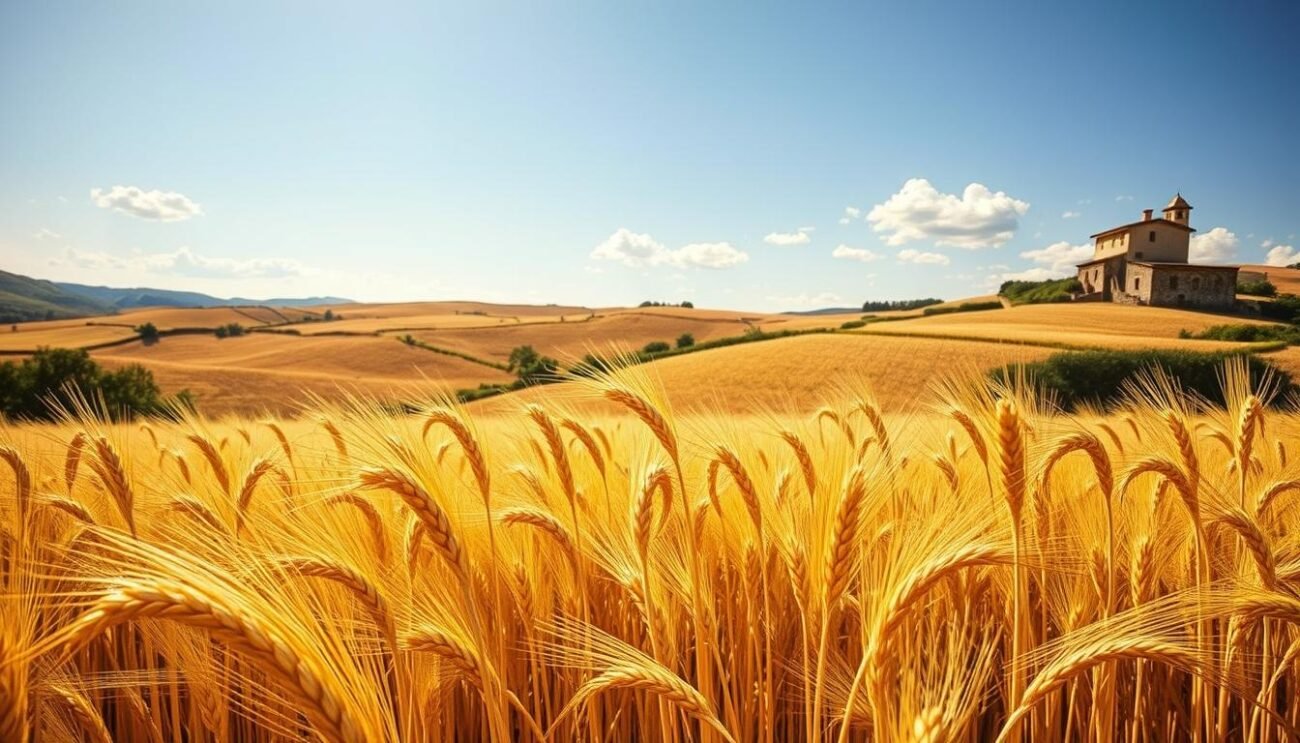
x=1178 y=210
x=1148 y=262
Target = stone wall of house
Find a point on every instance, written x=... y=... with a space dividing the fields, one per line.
x=1137 y=284
x=1201 y=287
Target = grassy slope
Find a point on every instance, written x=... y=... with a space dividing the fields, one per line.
x=24 y=298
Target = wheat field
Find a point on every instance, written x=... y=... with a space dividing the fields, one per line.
x=978 y=567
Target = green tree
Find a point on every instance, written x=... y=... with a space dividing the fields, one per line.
x=148 y=333
x=531 y=367
x=56 y=379
x=654 y=347
x=685 y=340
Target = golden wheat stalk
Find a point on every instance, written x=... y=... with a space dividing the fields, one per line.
x=544 y=522
x=438 y=528
x=324 y=702
x=214 y=458
x=108 y=467
x=362 y=588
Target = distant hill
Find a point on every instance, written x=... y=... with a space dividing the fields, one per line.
x=23 y=298
x=142 y=297
x=824 y=311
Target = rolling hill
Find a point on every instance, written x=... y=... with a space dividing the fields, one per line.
x=23 y=298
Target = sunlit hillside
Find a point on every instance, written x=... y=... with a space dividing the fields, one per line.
x=286 y=355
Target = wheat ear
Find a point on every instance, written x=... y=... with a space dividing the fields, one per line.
x=323 y=700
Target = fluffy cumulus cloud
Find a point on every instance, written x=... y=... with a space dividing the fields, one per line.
x=851 y=213
x=639 y=250
x=976 y=219
x=1280 y=255
x=785 y=239
x=182 y=262
x=916 y=256
x=847 y=252
x=1219 y=245
x=1058 y=260
x=162 y=206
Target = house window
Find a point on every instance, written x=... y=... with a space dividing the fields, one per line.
x=1151 y=236
x=1138 y=255
x=1137 y=284
x=1173 y=282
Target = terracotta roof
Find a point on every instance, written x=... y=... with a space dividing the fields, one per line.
x=1122 y=227
x=1178 y=202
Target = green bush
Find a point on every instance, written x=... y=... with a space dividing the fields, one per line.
x=1040 y=292
x=1286 y=307
x=900 y=304
x=55 y=379
x=531 y=367
x=1099 y=377
x=851 y=324
x=654 y=347
x=1242 y=333
x=148 y=333
x=1261 y=288
x=963 y=307
x=685 y=340
x=232 y=330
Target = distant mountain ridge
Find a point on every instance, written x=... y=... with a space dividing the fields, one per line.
x=23 y=298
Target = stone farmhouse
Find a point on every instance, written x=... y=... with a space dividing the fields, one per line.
x=1145 y=263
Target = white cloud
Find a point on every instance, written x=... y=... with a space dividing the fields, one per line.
x=1281 y=255
x=1266 y=244
x=851 y=213
x=824 y=299
x=915 y=256
x=182 y=262
x=45 y=232
x=848 y=252
x=978 y=218
x=807 y=229
x=1216 y=246
x=1058 y=259
x=636 y=250
x=1123 y=197
x=1070 y=215
x=157 y=205
x=785 y=239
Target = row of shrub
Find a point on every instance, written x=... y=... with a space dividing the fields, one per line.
x=1040 y=292
x=1101 y=378
x=652 y=303
x=900 y=304
x=1261 y=288
x=963 y=307
x=1242 y=333
x=56 y=380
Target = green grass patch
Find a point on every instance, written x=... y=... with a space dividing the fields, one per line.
x=1243 y=333
x=1040 y=292
x=963 y=307
x=1100 y=377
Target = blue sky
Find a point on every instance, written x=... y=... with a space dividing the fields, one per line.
x=605 y=153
